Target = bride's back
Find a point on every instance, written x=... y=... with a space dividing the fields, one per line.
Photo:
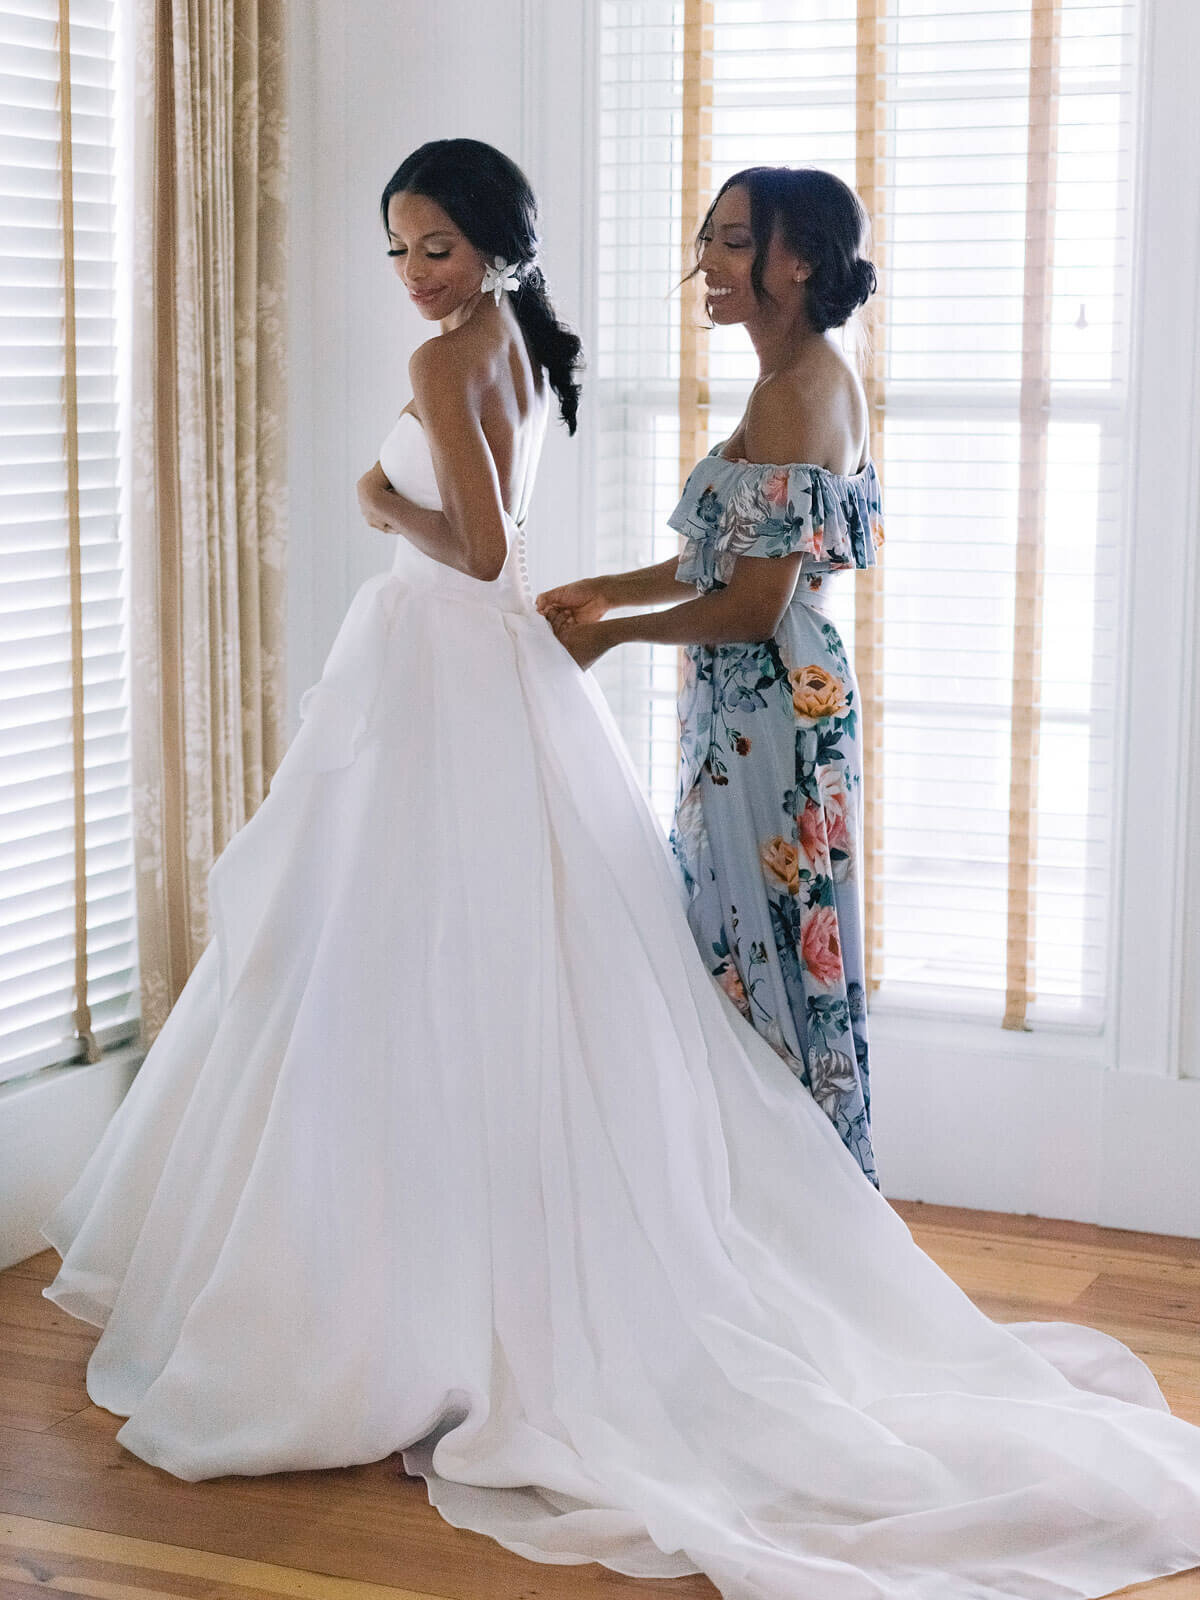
x=508 y=389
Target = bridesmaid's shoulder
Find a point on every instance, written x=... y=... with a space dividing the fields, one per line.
x=807 y=412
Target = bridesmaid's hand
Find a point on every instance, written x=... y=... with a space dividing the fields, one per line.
x=586 y=642
x=582 y=601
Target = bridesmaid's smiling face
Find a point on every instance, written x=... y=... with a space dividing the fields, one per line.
x=727 y=260
x=433 y=258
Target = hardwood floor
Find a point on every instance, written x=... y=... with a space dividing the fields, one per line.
x=79 y=1516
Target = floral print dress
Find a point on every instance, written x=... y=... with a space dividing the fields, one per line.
x=768 y=826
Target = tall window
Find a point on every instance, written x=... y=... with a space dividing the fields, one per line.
x=67 y=939
x=992 y=141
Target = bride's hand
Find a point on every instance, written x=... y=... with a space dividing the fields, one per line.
x=582 y=601
x=368 y=490
x=585 y=641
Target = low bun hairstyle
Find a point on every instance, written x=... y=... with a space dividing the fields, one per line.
x=820 y=219
x=488 y=197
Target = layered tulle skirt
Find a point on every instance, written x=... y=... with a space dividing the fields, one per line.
x=451 y=1146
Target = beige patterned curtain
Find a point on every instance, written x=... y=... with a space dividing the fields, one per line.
x=208 y=508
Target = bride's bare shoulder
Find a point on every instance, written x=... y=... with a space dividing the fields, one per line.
x=447 y=369
x=466 y=358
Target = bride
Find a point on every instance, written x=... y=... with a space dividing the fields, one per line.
x=452 y=1146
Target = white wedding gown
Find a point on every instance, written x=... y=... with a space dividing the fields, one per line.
x=452 y=1146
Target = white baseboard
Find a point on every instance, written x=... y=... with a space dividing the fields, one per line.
x=1038 y=1128
x=49 y=1126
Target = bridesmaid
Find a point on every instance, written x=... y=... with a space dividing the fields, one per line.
x=768 y=825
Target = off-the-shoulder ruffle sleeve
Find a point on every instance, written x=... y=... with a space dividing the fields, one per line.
x=737 y=508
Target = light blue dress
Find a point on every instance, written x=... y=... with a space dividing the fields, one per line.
x=768 y=826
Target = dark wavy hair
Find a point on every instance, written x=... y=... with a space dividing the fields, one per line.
x=820 y=219
x=488 y=197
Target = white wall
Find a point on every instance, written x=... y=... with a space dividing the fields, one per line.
x=1102 y=1129
x=49 y=1126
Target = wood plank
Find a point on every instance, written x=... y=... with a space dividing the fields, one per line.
x=46 y=1366
x=1003 y=1224
x=35 y=1406
x=42 y=1267
x=994 y=1273
x=23 y=1304
x=373 y=1528
x=367 y=1523
x=72 y=1345
x=1117 y=1293
x=58 y=1556
x=1094 y=1258
x=1183 y=1586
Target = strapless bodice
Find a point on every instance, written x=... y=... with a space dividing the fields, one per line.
x=408 y=466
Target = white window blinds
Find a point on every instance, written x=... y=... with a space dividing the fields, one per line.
x=67 y=937
x=995 y=139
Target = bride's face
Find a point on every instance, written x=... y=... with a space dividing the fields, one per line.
x=434 y=260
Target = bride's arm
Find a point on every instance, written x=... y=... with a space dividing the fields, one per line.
x=391 y=512
x=379 y=503
x=473 y=531
x=469 y=533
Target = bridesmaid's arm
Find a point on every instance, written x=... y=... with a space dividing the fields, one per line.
x=588 y=599
x=746 y=611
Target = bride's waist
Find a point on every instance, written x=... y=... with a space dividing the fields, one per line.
x=509 y=591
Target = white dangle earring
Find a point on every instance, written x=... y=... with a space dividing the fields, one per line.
x=501 y=276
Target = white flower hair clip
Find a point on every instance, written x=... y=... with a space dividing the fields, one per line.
x=500 y=277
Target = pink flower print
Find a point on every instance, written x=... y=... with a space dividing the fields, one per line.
x=821 y=947
x=811 y=823
x=775 y=487
x=835 y=803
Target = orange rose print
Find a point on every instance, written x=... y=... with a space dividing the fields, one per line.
x=781 y=861
x=816 y=693
x=734 y=987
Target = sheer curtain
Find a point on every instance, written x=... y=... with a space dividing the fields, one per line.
x=208 y=504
